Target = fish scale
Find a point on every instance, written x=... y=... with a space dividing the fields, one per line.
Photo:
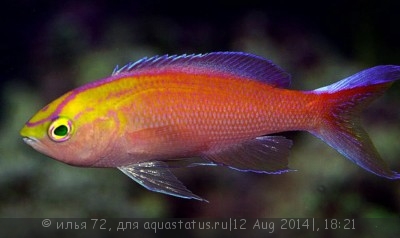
x=248 y=107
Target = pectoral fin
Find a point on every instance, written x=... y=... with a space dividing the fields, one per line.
x=267 y=154
x=156 y=176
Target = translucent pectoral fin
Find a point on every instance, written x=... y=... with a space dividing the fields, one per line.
x=267 y=154
x=156 y=176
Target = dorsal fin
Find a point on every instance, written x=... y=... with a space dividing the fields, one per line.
x=238 y=64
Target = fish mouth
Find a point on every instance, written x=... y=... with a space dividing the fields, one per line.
x=30 y=140
x=35 y=144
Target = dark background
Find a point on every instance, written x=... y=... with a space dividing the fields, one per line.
x=50 y=47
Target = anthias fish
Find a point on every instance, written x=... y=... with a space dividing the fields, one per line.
x=220 y=107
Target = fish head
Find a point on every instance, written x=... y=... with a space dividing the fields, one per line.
x=73 y=130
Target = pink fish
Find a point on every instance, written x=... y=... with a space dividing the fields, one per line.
x=220 y=107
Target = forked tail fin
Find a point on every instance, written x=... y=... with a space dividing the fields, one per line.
x=340 y=125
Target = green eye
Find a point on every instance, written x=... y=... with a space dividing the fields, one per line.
x=60 y=129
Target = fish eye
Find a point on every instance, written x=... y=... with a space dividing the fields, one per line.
x=60 y=129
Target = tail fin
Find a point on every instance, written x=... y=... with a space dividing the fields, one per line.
x=340 y=127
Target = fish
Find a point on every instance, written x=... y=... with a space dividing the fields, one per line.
x=212 y=109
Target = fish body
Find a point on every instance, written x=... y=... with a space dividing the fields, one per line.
x=220 y=107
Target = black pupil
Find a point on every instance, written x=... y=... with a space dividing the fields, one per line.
x=61 y=130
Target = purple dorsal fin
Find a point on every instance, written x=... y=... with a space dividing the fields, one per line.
x=238 y=64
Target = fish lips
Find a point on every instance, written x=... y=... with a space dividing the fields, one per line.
x=30 y=140
x=34 y=143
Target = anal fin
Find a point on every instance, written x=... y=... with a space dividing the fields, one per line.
x=266 y=154
x=156 y=176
